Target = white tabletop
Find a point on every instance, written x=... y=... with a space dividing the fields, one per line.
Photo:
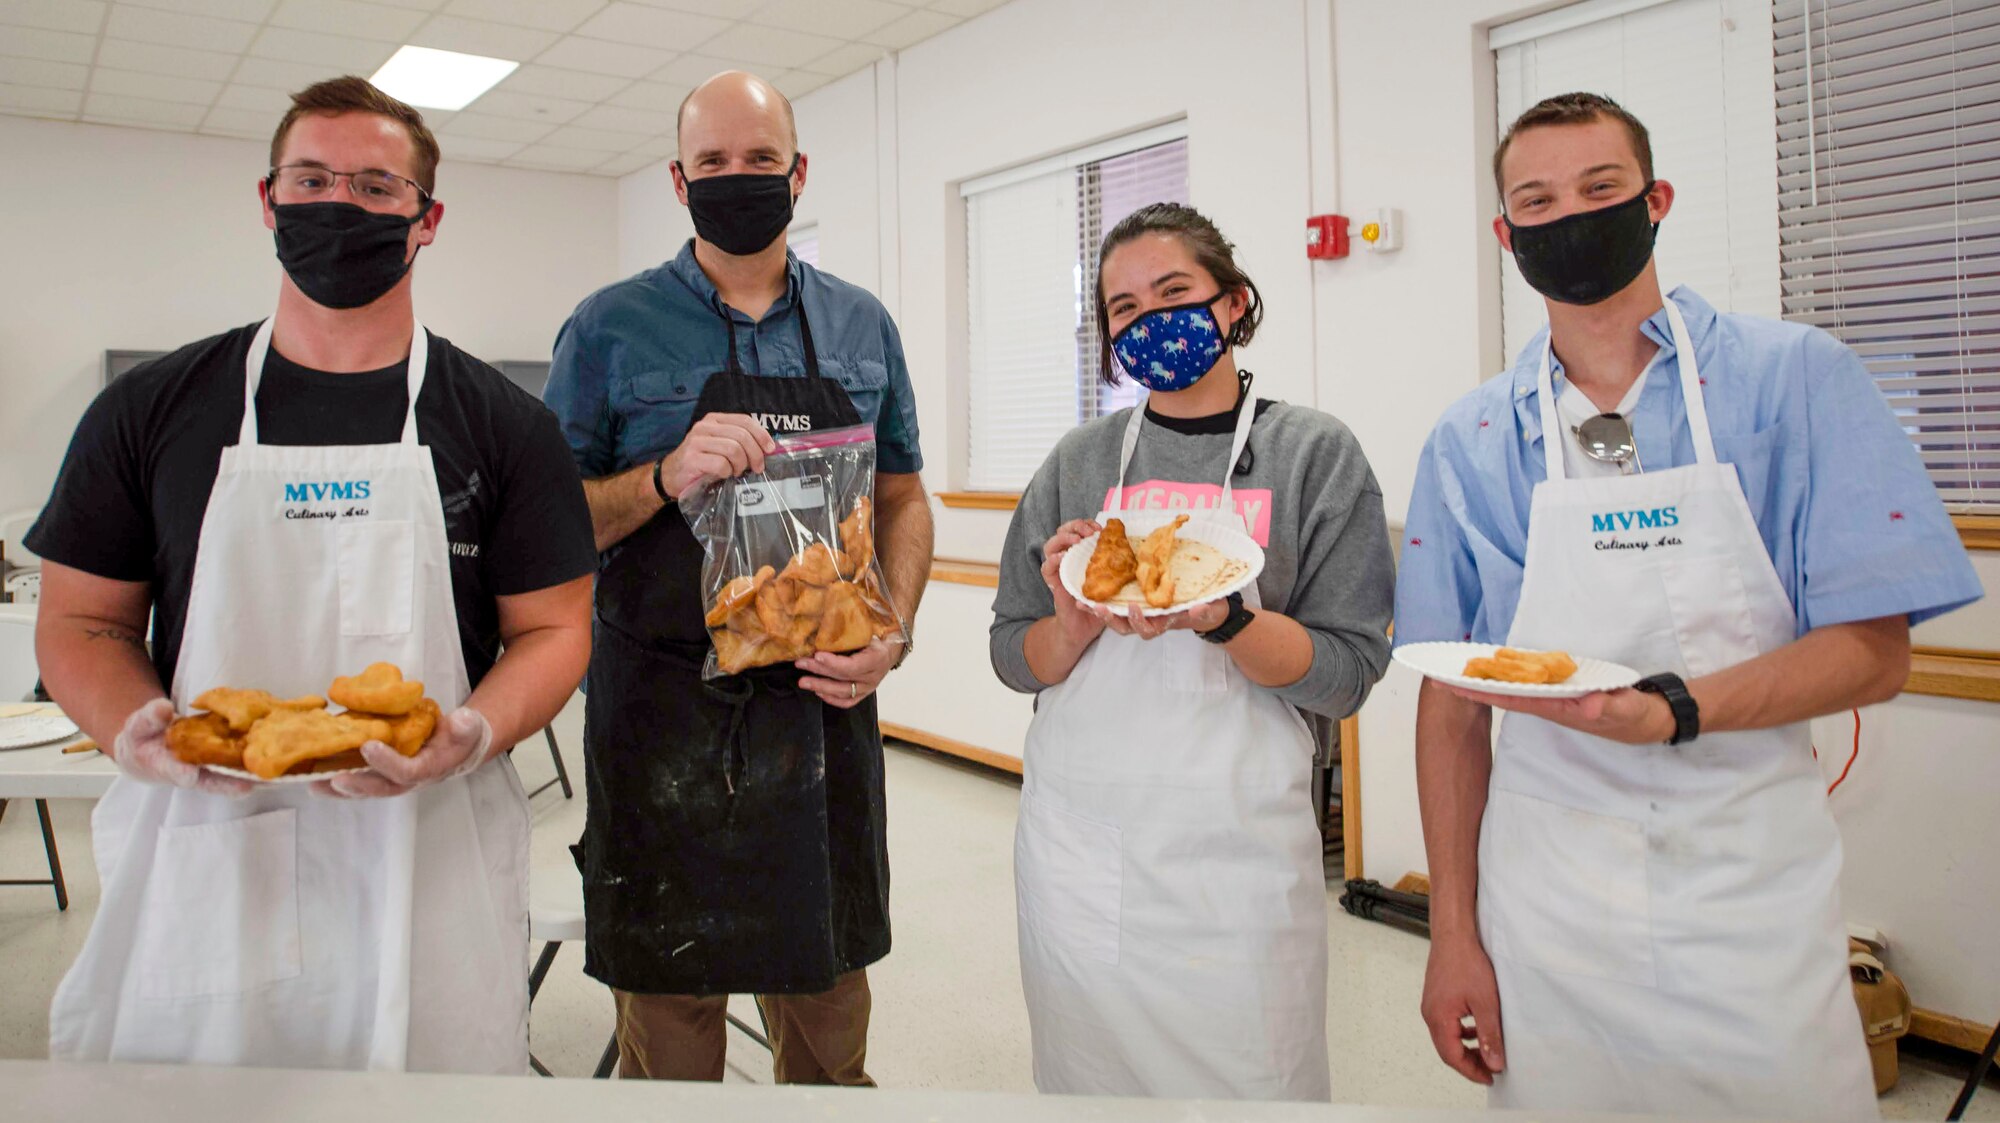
x=156 y=1093
x=46 y=772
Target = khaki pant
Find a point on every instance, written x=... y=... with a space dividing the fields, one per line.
x=815 y=1038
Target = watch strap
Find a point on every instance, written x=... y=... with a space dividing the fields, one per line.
x=1687 y=714
x=660 y=485
x=1238 y=619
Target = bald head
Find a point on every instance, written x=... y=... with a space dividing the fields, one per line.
x=733 y=108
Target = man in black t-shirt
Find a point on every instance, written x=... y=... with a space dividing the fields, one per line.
x=287 y=502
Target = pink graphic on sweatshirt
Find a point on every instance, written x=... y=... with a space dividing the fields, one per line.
x=1166 y=495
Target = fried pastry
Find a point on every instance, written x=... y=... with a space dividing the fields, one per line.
x=283 y=739
x=338 y=762
x=735 y=594
x=814 y=565
x=1156 y=580
x=242 y=708
x=846 y=625
x=736 y=653
x=206 y=739
x=1112 y=566
x=381 y=689
x=1510 y=664
x=857 y=539
x=407 y=732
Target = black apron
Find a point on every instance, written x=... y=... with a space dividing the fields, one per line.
x=735 y=837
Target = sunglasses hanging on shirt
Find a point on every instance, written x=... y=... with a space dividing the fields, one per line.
x=1607 y=438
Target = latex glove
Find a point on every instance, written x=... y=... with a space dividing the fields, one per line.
x=461 y=743
x=141 y=752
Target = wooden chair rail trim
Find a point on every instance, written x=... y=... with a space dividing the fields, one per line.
x=980 y=500
x=950 y=747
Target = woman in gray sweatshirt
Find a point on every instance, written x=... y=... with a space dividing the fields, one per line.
x=1171 y=897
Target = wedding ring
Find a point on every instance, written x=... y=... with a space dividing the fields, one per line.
x=853 y=690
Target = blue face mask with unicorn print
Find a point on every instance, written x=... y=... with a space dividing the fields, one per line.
x=1170 y=349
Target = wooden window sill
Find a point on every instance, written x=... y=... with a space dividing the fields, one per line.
x=1978 y=532
x=957 y=571
x=1947 y=672
x=980 y=500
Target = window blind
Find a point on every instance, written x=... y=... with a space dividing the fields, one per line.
x=804 y=243
x=1031 y=253
x=1889 y=211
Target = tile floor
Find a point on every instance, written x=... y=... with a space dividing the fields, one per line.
x=948 y=1010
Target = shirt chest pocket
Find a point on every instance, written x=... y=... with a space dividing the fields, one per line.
x=866 y=382
x=659 y=414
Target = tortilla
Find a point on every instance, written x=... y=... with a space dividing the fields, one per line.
x=1197 y=570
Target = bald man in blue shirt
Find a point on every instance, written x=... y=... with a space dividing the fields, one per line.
x=1635 y=893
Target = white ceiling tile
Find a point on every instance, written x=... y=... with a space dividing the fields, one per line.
x=597 y=140
x=480 y=126
x=279 y=74
x=624 y=164
x=770 y=46
x=657 y=147
x=419 y=5
x=476 y=149
x=965 y=9
x=618 y=118
x=482 y=37
x=652 y=27
x=529 y=107
x=720 y=9
x=39 y=101
x=130 y=83
x=348 y=17
x=356 y=56
x=54 y=46
x=799 y=83
x=151 y=58
x=693 y=70
x=41 y=72
x=550 y=158
x=177 y=29
x=911 y=29
x=111 y=107
x=250 y=11
x=841 y=19
x=555 y=82
x=239 y=122
x=602 y=57
x=258 y=99
x=548 y=15
x=82 y=16
x=844 y=59
x=660 y=97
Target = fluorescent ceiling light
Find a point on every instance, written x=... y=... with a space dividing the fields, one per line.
x=433 y=79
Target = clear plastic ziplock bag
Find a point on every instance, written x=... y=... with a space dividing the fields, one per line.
x=789 y=566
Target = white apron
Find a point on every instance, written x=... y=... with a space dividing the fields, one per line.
x=1664 y=921
x=1168 y=871
x=285 y=928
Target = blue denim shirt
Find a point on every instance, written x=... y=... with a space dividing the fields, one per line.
x=1851 y=521
x=631 y=361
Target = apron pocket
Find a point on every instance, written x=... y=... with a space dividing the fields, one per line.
x=1192 y=664
x=1069 y=875
x=1565 y=890
x=377 y=565
x=221 y=912
x=1712 y=620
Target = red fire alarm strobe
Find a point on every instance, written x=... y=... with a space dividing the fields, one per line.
x=1326 y=236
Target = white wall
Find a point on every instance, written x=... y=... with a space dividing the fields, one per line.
x=143 y=240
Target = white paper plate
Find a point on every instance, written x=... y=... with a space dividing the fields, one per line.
x=1445 y=662
x=1138 y=524
x=289 y=778
x=44 y=726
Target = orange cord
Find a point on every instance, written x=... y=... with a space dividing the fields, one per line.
x=1853 y=755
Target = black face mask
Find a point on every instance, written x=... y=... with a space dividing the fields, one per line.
x=341 y=255
x=741 y=214
x=1589 y=257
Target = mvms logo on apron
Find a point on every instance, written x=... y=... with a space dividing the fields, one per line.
x=1656 y=518
x=326 y=499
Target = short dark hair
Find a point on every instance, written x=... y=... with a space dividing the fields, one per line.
x=1211 y=251
x=349 y=94
x=1574 y=109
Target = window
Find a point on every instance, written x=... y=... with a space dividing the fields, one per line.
x=1032 y=236
x=804 y=243
x=1696 y=73
x=1889 y=212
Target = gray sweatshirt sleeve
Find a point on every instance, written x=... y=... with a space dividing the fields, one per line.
x=1346 y=588
x=1022 y=598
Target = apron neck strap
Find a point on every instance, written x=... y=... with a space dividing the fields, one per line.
x=1246 y=416
x=260 y=349
x=805 y=338
x=1553 y=429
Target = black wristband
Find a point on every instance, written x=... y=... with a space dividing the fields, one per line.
x=1238 y=619
x=1687 y=714
x=660 y=485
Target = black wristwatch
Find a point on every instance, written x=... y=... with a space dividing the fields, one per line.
x=1238 y=619
x=1687 y=715
x=660 y=485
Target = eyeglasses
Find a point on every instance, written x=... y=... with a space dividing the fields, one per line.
x=376 y=190
x=1607 y=438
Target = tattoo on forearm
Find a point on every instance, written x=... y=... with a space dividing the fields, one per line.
x=116 y=634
